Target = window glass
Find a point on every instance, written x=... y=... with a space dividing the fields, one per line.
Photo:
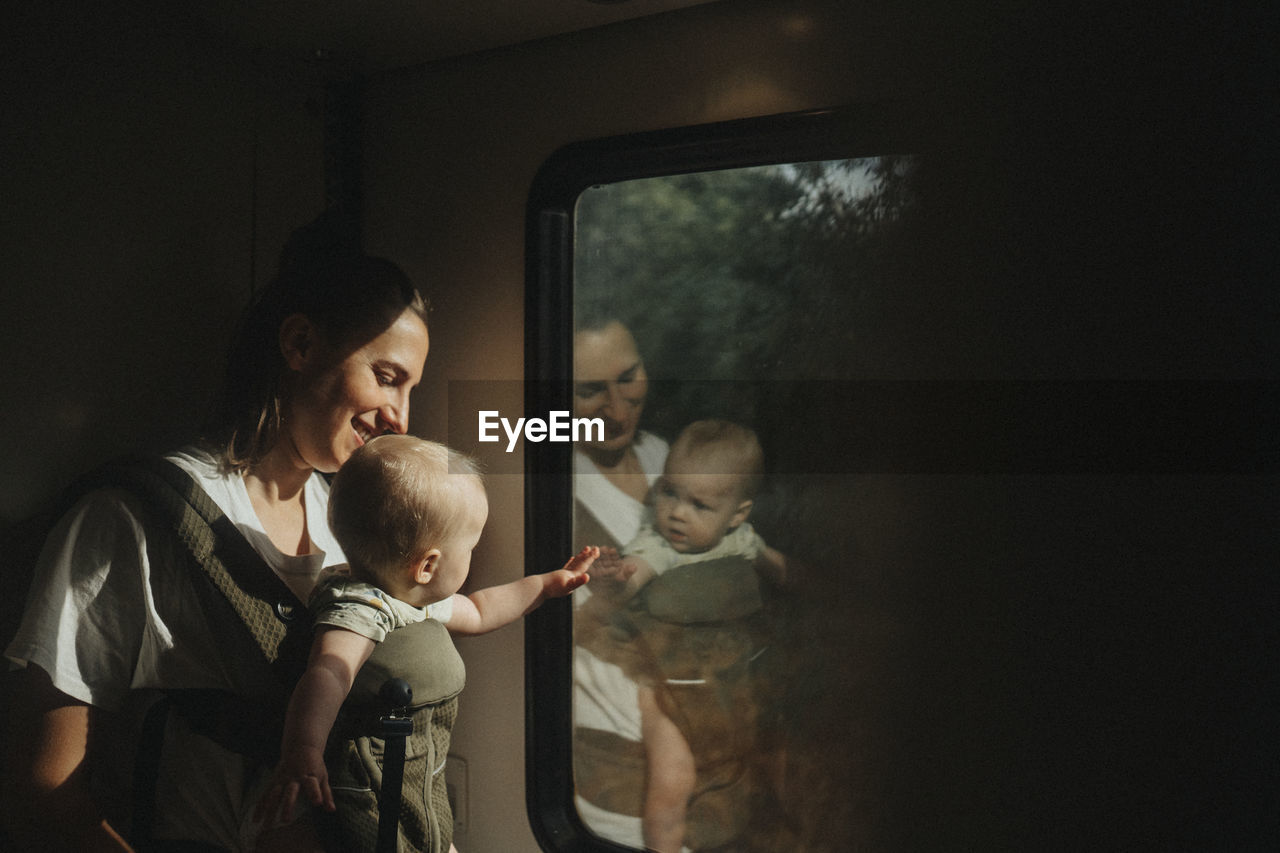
x=718 y=316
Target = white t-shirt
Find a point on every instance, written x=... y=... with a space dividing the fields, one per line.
x=619 y=513
x=111 y=612
x=604 y=697
x=103 y=616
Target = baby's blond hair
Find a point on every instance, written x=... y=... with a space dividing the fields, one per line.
x=724 y=447
x=396 y=498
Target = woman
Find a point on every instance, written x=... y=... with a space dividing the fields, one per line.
x=324 y=361
x=615 y=719
x=611 y=476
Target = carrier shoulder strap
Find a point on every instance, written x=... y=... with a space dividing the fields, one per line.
x=264 y=603
x=272 y=619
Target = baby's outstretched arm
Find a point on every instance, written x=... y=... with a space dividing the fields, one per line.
x=336 y=656
x=496 y=606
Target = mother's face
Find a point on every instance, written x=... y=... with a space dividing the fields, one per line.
x=609 y=382
x=341 y=399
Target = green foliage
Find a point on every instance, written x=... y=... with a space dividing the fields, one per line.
x=736 y=279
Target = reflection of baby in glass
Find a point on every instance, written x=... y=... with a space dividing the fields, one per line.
x=700 y=508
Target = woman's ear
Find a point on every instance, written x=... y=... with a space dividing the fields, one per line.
x=425 y=569
x=298 y=339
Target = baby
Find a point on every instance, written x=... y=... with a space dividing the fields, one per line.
x=700 y=508
x=407 y=513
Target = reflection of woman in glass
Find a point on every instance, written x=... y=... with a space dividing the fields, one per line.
x=611 y=479
x=612 y=476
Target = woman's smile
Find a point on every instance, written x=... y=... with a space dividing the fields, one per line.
x=368 y=389
x=610 y=383
x=363 y=431
x=615 y=429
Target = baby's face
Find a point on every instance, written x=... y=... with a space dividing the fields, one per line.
x=693 y=510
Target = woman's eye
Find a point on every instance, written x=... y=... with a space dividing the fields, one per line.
x=586 y=392
x=385 y=379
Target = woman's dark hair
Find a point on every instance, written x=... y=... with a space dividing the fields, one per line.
x=349 y=296
x=593 y=314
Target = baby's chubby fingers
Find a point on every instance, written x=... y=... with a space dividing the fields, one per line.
x=573 y=575
x=582 y=560
x=610 y=565
x=318 y=792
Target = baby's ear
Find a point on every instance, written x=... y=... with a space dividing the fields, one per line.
x=425 y=567
x=744 y=510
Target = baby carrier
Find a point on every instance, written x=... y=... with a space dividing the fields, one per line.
x=372 y=755
x=697 y=634
x=266 y=656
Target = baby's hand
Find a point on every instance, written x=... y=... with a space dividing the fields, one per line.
x=574 y=574
x=302 y=772
x=614 y=569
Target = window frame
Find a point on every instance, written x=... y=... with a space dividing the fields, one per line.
x=826 y=134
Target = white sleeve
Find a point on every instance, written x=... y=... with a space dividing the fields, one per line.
x=87 y=609
x=441 y=611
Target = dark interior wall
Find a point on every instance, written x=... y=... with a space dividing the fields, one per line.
x=151 y=173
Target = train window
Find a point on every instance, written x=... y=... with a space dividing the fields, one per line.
x=701 y=302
